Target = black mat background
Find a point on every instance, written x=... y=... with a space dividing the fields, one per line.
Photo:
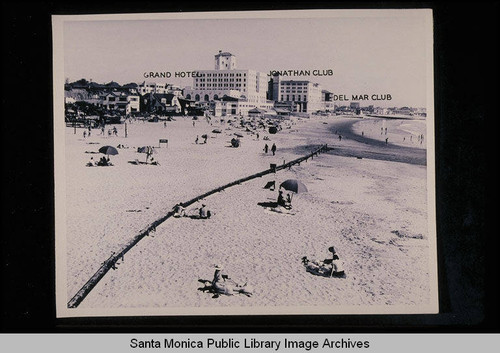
x=466 y=107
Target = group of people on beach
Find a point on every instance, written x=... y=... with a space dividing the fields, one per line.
x=102 y=162
x=200 y=213
x=331 y=267
x=222 y=284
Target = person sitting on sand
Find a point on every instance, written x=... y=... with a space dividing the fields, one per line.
x=288 y=202
x=91 y=163
x=219 y=279
x=102 y=162
x=281 y=199
x=337 y=264
x=204 y=212
x=179 y=211
x=222 y=284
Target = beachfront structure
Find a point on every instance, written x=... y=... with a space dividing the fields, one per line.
x=160 y=103
x=126 y=103
x=300 y=96
x=233 y=106
x=248 y=86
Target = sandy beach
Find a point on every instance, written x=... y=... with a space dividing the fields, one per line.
x=366 y=197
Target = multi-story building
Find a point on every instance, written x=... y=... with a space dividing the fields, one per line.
x=126 y=103
x=151 y=87
x=248 y=86
x=300 y=96
x=160 y=103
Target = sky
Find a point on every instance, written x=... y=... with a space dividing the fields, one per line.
x=368 y=54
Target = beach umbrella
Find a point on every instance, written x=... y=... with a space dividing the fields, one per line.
x=293 y=185
x=108 y=150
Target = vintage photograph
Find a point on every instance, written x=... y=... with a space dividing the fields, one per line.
x=260 y=163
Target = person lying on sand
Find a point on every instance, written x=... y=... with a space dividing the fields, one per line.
x=333 y=267
x=222 y=284
x=197 y=213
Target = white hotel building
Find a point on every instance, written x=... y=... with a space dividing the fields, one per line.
x=300 y=96
x=248 y=86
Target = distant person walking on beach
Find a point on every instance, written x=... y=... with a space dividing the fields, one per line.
x=194 y=123
x=266 y=148
x=84 y=133
x=196 y=141
x=273 y=149
x=340 y=137
x=387 y=139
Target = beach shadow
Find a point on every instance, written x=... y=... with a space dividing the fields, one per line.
x=268 y=204
x=207 y=287
x=196 y=217
x=138 y=162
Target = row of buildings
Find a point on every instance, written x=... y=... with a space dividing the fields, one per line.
x=225 y=90
x=247 y=89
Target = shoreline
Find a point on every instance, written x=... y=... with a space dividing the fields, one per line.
x=355 y=145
